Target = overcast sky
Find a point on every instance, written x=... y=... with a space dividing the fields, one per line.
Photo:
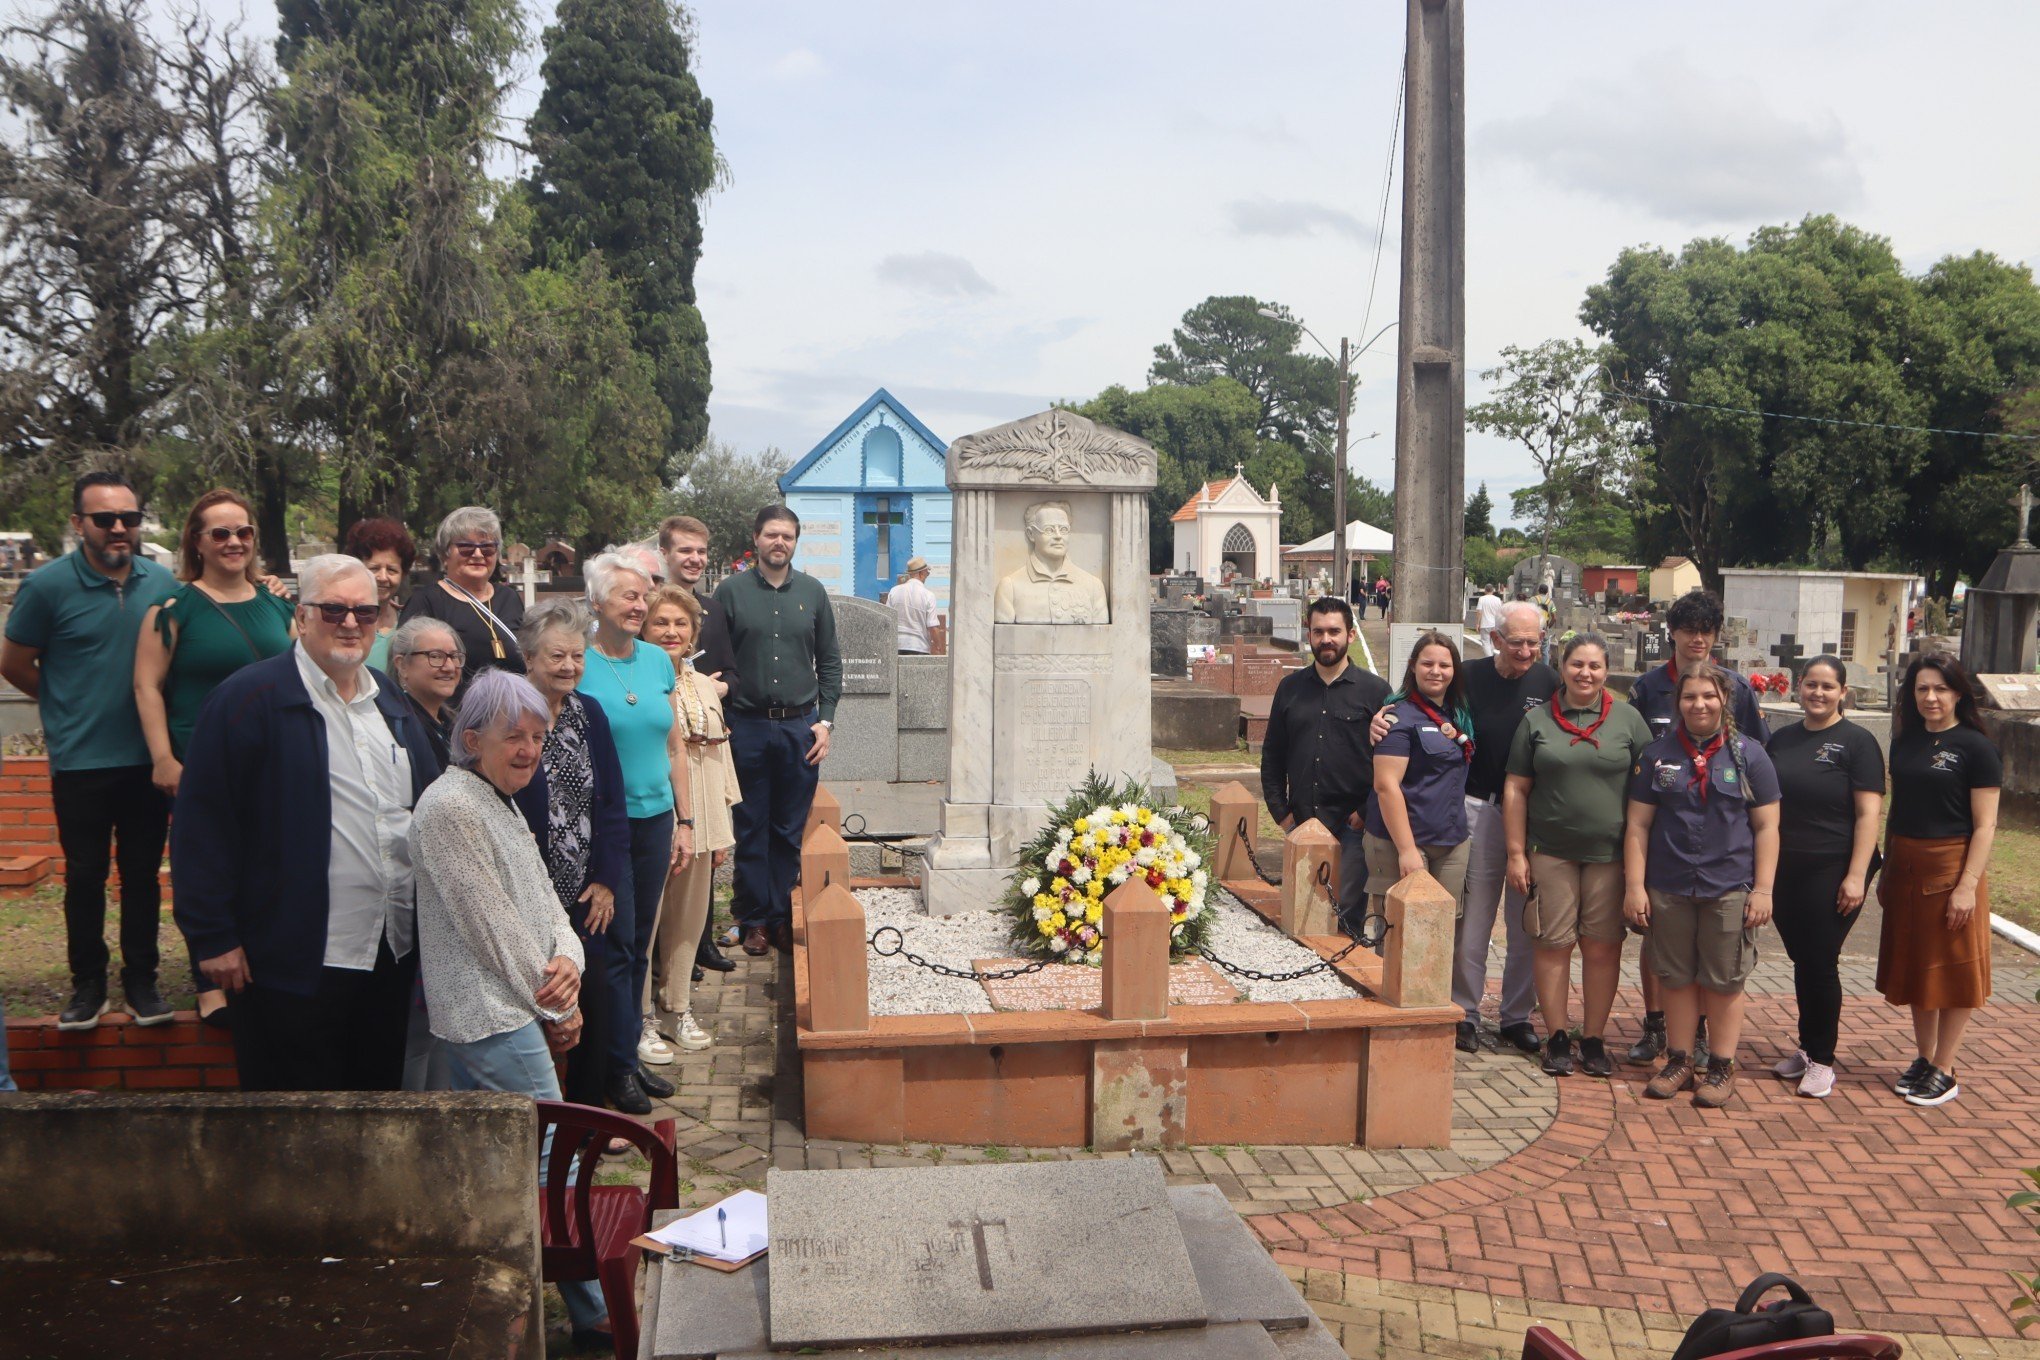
x=985 y=208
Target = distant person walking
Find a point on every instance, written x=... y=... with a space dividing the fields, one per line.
x=1934 y=956
x=1831 y=787
x=70 y=646
x=914 y=605
x=1382 y=592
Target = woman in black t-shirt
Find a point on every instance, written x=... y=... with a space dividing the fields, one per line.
x=1831 y=782
x=1935 y=952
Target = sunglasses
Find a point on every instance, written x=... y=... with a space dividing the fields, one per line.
x=222 y=533
x=337 y=614
x=475 y=549
x=126 y=519
x=440 y=660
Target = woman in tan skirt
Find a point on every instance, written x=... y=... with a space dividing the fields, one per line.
x=1935 y=952
x=673 y=621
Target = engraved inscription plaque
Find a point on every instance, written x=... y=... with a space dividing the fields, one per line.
x=1055 y=737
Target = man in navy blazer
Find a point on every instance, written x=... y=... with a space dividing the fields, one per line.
x=290 y=868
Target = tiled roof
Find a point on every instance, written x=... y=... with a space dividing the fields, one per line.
x=1208 y=493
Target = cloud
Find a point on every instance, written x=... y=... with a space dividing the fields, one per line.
x=1692 y=148
x=799 y=64
x=1293 y=217
x=1270 y=131
x=935 y=274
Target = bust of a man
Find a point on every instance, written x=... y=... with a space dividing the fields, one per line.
x=1048 y=589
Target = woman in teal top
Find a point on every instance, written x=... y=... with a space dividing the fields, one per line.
x=633 y=682
x=218 y=621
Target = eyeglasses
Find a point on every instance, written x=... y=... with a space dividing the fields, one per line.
x=475 y=549
x=126 y=519
x=1518 y=644
x=438 y=659
x=337 y=614
x=222 y=533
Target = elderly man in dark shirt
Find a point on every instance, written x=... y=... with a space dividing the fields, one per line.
x=1317 y=761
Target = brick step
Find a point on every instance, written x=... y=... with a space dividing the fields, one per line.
x=24 y=871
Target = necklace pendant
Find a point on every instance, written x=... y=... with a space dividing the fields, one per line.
x=629 y=698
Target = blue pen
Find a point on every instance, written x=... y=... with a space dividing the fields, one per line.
x=722 y=1224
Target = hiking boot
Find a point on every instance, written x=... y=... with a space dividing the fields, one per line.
x=1675 y=1076
x=146 y=1004
x=1701 y=1057
x=1594 y=1059
x=1717 y=1086
x=1466 y=1037
x=1558 y=1054
x=88 y=1003
x=1792 y=1067
x=1907 y=1080
x=1523 y=1035
x=1935 y=1088
x=1645 y=1051
x=1818 y=1081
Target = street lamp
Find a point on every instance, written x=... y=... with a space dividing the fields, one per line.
x=1342 y=566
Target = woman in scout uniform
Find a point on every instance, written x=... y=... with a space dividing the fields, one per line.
x=1417 y=821
x=1699 y=856
x=1562 y=811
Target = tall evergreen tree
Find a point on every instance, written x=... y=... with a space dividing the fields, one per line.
x=626 y=155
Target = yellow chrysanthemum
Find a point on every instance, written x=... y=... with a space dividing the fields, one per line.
x=1094 y=913
x=1081 y=825
x=1058 y=921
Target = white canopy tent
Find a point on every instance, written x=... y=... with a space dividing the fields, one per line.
x=1362 y=540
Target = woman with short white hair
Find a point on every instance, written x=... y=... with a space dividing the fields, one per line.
x=425 y=660
x=633 y=681
x=466 y=597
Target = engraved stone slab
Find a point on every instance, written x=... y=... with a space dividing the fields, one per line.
x=924 y=693
x=962 y=1253
x=868 y=634
x=2009 y=691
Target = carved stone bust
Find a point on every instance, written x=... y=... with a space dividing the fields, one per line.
x=1049 y=589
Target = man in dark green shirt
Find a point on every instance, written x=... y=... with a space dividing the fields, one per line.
x=790 y=676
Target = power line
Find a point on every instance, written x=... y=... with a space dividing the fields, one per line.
x=1387 y=182
x=1631 y=392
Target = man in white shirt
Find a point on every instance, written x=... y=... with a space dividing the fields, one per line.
x=289 y=856
x=914 y=603
x=1490 y=607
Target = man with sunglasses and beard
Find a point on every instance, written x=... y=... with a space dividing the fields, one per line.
x=70 y=646
x=289 y=858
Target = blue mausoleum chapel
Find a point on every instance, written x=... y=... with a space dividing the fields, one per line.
x=870 y=496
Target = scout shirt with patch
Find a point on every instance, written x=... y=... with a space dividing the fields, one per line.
x=1701 y=846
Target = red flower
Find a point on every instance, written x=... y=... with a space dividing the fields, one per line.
x=1065 y=869
x=1154 y=878
x=1147 y=838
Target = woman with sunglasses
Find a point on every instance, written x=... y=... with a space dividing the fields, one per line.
x=218 y=621
x=466 y=597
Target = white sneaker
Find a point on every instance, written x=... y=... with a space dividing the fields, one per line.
x=693 y=1037
x=1818 y=1080
x=1796 y=1066
x=651 y=1048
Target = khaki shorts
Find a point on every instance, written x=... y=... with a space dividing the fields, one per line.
x=1571 y=902
x=1700 y=940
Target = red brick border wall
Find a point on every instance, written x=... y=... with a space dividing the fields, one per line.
x=28 y=823
x=182 y=1055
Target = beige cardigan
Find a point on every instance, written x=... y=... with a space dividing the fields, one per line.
x=711 y=769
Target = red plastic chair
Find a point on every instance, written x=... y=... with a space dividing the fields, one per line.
x=1541 y=1343
x=589 y=1237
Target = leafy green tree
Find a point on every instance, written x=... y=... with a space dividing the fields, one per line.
x=1480 y=514
x=724 y=489
x=1227 y=337
x=626 y=155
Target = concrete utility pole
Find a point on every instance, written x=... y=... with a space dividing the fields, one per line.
x=1430 y=402
x=1342 y=567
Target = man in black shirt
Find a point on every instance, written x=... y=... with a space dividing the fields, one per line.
x=1317 y=760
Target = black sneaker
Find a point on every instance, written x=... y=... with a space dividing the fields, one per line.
x=1594 y=1059
x=654 y=1085
x=626 y=1096
x=88 y=1003
x=1558 y=1054
x=146 y=1005
x=1912 y=1076
x=1935 y=1088
x=1466 y=1038
x=1651 y=1046
x=1523 y=1035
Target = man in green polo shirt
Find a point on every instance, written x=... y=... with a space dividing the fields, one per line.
x=781 y=713
x=70 y=645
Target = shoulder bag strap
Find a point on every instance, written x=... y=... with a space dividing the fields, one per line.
x=220 y=609
x=488 y=615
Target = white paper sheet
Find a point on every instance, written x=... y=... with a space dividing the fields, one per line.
x=744 y=1231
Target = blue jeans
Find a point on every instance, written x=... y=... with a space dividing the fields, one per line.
x=779 y=787
x=519 y=1061
x=630 y=935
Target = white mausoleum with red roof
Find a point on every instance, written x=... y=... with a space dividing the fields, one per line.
x=1228 y=522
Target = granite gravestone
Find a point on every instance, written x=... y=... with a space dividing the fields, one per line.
x=1170 y=648
x=924 y=718
x=985 y=1252
x=1048 y=640
x=865 y=744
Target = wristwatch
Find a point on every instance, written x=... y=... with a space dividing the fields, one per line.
x=828 y=723
x=684 y=821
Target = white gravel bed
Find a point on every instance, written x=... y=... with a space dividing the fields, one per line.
x=1238 y=934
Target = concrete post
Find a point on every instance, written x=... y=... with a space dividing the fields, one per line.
x=1310 y=880
x=1234 y=806
x=824 y=862
x=839 y=983
x=1416 y=965
x=1136 y=954
x=823 y=811
x=1430 y=405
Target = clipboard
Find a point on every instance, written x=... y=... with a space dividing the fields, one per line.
x=659 y=1251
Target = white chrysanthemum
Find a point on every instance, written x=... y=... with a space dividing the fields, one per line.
x=1145 y=856
x=1199 y=880
x=1094 y=956
x=1160 y=826
x=1201 y=822
x=1082 y=875
x=1030 y=887
x=1100 y=816
x=1176 y=931
x=1117 y=876
x=1043 y=913
x=1058 y=944
x=1191 y=859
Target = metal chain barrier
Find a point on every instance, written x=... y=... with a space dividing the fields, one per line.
x=1373 y=930
x=1247 y=843
x=899 y=949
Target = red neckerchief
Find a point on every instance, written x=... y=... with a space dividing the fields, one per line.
x=1583 y=734
x=1672 y=670
x=1465 y=739
x=1699 y=756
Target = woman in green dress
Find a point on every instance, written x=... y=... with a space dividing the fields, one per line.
x=218 y=621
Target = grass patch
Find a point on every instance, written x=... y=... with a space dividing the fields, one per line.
x=1197 y=798
x=2015 y=863
x=1238 y=755
x=35 y=973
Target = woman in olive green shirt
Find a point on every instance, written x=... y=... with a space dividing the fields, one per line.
x=218 y=621
x=1563 y=805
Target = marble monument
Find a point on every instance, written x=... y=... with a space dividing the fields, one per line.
x=1048 y=640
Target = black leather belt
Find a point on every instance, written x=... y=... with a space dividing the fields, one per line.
x=777 y=712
